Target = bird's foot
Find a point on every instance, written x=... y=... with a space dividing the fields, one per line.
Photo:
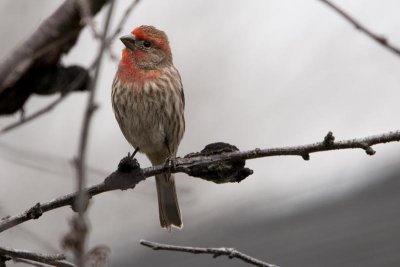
x=134 y=153
x=128 y=164
x=170 y=162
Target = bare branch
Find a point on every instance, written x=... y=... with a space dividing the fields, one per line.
x=216 y=252
x=32 y=263
x=71 y=87
x=192 y=161
x=14 y=98
x=378 y=38
x=34 y=67
x=80 y=222
x=24 y=119
x=55 y=37
x=123 y=20
x=215 y=166
x=55 y=260
x=121 y=179
x=87 y=16
x=119 y=27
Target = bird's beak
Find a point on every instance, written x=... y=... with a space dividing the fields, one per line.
x=129 y=41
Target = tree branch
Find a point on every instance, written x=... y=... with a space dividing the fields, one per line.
x=216 y=252
x=216 y=163
x=54 y=260
x=79 y=223
x=87 y=16
x=34 y=67
x=76 y=83
x=63 y=80
x=55 y=37
x=123 y=20
x=378 y=38
x=119 y=27
x=30 y=263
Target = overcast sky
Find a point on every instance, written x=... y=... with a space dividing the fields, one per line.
x=255 y=74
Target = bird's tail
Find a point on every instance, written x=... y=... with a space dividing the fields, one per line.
x=168 y=206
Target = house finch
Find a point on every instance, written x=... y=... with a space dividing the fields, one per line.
x=148 y=102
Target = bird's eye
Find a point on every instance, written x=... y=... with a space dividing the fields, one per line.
x=146 y=44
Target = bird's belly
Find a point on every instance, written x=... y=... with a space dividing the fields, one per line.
x=143 y=130
x=150 y=116
x=142 y=122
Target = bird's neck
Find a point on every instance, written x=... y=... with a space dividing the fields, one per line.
x=130 y=72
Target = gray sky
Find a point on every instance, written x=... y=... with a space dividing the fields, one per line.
x=255 y=73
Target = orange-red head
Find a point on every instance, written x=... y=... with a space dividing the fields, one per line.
x=147 y=48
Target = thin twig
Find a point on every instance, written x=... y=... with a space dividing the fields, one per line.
x=32 y=263
x=123 y=20
x=81 y=159
x=216 y=252
x=87 y=16
x=34 y=115
x=187 y=164
x=55 y=260
x=378 y=38
x=119 y=27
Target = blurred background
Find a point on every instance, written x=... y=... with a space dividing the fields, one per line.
x=256 y=74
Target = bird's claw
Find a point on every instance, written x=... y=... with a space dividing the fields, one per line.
x=134 y=153
x=170 y=162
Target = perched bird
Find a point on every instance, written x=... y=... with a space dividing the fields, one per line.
x=148 y=102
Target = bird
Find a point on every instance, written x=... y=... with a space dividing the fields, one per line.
x=148 y=102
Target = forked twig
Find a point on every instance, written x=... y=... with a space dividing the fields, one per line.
x=378 y=38
x=216 y=252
